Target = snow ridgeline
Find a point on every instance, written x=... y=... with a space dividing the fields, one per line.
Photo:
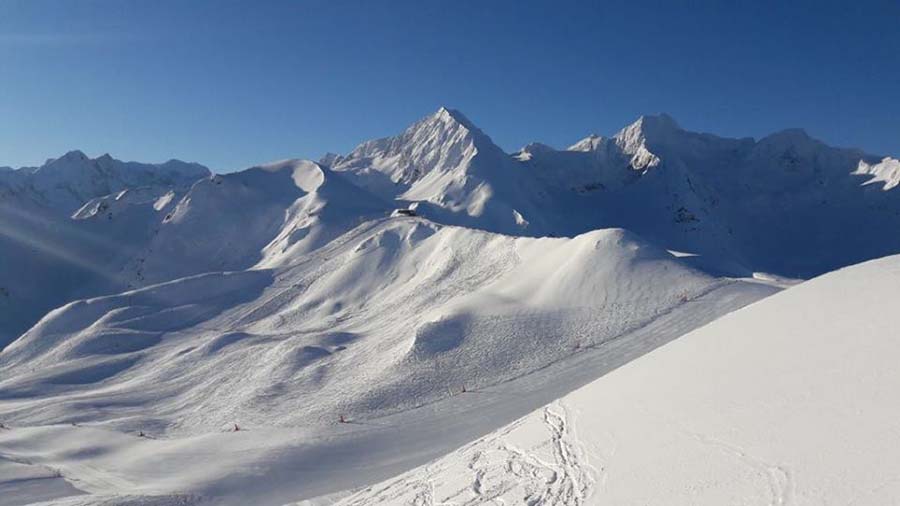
x=394 y=315
x=184 y=388
x=785 y=205
x=787 y=401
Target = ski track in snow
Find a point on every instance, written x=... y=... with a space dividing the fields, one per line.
x=778 y=477
x=493 y=470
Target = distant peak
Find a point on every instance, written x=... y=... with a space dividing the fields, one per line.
x=589 y=143
x=653 y=129
x=71 y=158
x=329 y=159
x=531 y=149
x=447 y=114
x=74 y=155
x=790 y=134
x=105 y=160
x=654 y=123
x=536 y=147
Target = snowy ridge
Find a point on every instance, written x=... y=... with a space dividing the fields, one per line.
x=260 y=215
x=366 y=312
x=67 y=182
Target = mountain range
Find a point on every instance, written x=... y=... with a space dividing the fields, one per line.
x=292 y=297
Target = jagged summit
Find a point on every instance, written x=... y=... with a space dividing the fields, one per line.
x=448 y=114
x=649 y=127
x=441 y=142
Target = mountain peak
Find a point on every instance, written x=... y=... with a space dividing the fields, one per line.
x=790 y=135
x=650 y=126
x=641 y=138
x=446 y=115
x=75 y=155
x=589 y=143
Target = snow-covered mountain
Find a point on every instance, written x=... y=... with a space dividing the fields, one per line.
x=68 y=227
x=786 y=204
x=451 y=170
x=164 y=300
x=64 y=184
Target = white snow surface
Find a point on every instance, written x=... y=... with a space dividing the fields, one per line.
x=788 y=401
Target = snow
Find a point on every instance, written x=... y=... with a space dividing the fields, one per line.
x=151 y=308
x=69 y=226
x=274 y=465
x=384 y=325
x=788 y=401
x=386 y=318
x=887 y=172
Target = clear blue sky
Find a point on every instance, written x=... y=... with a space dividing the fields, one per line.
x=230 y=84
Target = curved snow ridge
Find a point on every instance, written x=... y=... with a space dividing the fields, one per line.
x=429 y=310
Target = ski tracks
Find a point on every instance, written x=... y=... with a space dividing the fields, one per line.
x=778 y=477
x=537 y=461
x=566 y=477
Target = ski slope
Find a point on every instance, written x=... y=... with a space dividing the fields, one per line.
x=788 y=401
x=394 y=315
x=275 y=465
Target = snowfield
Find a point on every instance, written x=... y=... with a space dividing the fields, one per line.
x=788 y=401
x=430 y=320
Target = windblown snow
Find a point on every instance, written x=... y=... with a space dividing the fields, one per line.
x=376 y=327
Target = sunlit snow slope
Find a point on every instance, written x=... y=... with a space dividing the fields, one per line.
x=395 y=314
x=386 y=326
x=788 y=401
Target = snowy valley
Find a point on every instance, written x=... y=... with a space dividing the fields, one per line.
x=551 y=326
